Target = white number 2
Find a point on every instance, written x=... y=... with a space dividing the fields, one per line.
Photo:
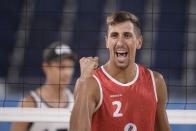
x=116 y=113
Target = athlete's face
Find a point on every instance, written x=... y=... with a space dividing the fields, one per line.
x=122 y=43
x=59 y=72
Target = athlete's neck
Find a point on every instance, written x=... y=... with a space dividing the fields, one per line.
x=122 y=75
x=53 y=92
x=53 y=97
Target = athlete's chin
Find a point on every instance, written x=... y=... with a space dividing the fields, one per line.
x=122 y=66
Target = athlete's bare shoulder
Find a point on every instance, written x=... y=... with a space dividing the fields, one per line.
x=160 y=87
x=23 y=126
x=158 y=78
x=27 y=101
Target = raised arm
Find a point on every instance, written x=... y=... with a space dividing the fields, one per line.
x=161 y=122
x=86 y=95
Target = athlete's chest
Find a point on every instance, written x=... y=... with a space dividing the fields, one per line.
x=123 y=101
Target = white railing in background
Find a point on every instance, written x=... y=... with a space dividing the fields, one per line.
x=12 y=114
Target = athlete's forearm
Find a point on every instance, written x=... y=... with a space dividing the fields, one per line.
x=80 y=120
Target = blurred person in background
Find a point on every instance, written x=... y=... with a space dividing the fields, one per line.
x=58 y=67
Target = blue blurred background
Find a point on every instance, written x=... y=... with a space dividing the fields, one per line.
x=28 y=26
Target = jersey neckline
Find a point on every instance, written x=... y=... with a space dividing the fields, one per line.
x=119 y=83
x=43 y=101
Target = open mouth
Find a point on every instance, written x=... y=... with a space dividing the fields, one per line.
x=121 y=55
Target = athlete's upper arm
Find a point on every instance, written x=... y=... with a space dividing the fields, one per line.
x=23 y=126
x=86 y=95
x=161 y=123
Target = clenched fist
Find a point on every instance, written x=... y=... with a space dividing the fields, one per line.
x=87 y=67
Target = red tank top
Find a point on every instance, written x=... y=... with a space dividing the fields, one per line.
x=125 y=107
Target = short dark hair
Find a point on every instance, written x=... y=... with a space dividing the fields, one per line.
x=123 y=16
x=58 y=51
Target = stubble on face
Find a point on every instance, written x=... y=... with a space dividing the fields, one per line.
x=121 y=45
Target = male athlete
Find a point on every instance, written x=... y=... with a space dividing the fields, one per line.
x=120 y=95
x=58 y=66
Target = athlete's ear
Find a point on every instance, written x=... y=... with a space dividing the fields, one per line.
x=106 y=40
x=45 y=67
x=139 y=42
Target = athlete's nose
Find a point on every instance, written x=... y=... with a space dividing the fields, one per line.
x=120 y=41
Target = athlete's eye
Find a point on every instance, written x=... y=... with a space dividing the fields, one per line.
x=114 y=35
x=127 y=35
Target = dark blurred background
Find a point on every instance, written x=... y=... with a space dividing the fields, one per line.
x=28 y=26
